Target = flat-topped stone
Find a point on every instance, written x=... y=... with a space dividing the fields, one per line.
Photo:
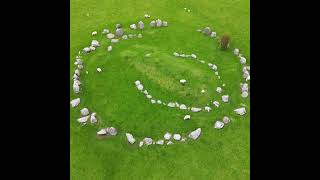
x=75 y=102
x=241 y=111
x=187 y=117
x=130 y=138
x=84 y=111
x=167 y=136
x=218 y=125
x=195 y=109
x=195 y=134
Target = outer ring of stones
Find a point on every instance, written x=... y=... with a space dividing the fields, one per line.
x=113 y=131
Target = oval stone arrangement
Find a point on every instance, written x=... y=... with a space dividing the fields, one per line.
x=168 y=138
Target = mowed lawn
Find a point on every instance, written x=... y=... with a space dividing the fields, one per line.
x=217 y=154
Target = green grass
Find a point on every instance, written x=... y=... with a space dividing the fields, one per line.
x=217 y=154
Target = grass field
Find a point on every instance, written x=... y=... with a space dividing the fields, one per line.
x=217 y=154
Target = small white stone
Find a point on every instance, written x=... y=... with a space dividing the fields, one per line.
x=207 y=108
x=159 y=102
x=216 y=103
x=95 y=43
x=214 y=67
x=216 y=73
x=210 y=65
x=169 y=142
x=241 y=111
x=99 y=69
x=226 y=119
x=149 y=96
x=176 y=54
x=93 y=118
x=105 y=31
x=223 y=85
x=177 y=137
x=140 y=143
x=153 y=101
x=242 y=60
x=171 y=104
x=187 y=117
x=130 y=138
x=203 y=91
x=194 y=109
x=183 y=107
x=225 y=98
x=140 y=87
x=125 y=37
x=110 y=35
x=219 y=89
x=114 y=40
x=138 y=83
x=83 y=119
x=167 y=136
x=109 y=48
x=218 y=125
x=160 y=142
x=94 y=33
x=244 y=94
x=194 y=56
x=236 y=51
x=213 y=34
x=145 y=92
x=75 y=102
x=133 y=26
x=84 y=111
x=86 y=49
x=183 y=81
x=147 y=141
x=102 y=132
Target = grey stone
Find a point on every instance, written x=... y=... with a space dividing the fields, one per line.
x=187 y=117
x=158 y=23
x=193 y=109
x=206 y=31
x=171 y=104
x=165 y=23
x=133 y=26
x=112 y=131
x=236 y=51
x=114 y=40
x=95 y=43
x=110 y=35
x=125 y=37
x=167 y=136
x=216 y=103
x=83 y=119
x=241 y=111
x=147 y=141
x=152 y=23
x=105 y=31
x=84 y=111
x=183 y=107
x=118 y=26
x=130 y=138
x=218 y=125
x=140 y=87
x=226 y=119
x=109 y=48
x=177 y=137
x=160 y=142
x=93 y=118
x=225 y=98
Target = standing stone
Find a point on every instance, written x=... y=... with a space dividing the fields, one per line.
x=84 y=111
x=176 y=54
x=152 y=23
x=118 y=26
x=195 y=134
x=110 y=36
x=193 y=56
x=140 y=143
x=183 y=81
x=160 y=142
x=169 y=142
x=207 y=108
x=114 y=40
x=147 y=16
x=171 y=104
x=244 y=94
x=177 y=137
x=92 y=49
x=218 y=125
x=219 y=89
x=183 y=107
x=213 y=34
x=226 y=119
x=158 y=23
x=159 y=101
x=216 y=103
x=167 y=136
x=93 y=118
x=133 y=26
x=244 y=87
x=140 y=25
x=145 y=91
x=187 y=117
x=225 y=98
x=76 y=88
x=105 y=31
x=193 y=109
x=206 y=31
x=241 y=111
x=130 y=138
x=99 y=69
x=125 y=37
x=94 y=33
x=165 y=23
x=236 y=51
x=86 y=50
x=242 y=60
x=140 y=87
x=147 y=141
x=137 y=82
x=83 y=119
x=149 y=96
x=214 y=67
x=109 y=48
x=112 y=131
x=75 y=102
x=95 y=43
x=102 y=132
x=153 y=101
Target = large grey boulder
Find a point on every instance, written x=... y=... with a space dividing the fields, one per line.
x=195 y=134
